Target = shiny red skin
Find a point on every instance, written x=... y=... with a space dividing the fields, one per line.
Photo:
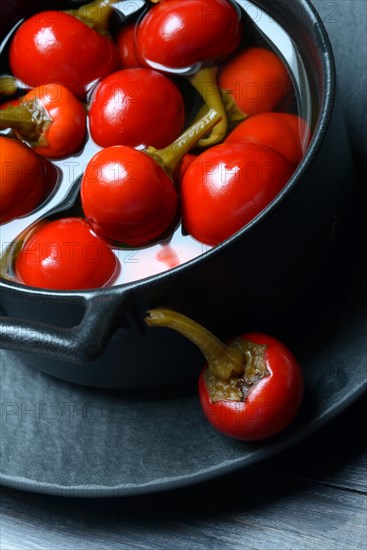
x=126 y=44
x=126 y=196
x=65 y=254
x=178 y=34
x=285 y=133
x=54 y=46
x=270 y=406
x=66 y=133
x=256 y=78
x=22 y=179
x=227 y=186
x=135 y=107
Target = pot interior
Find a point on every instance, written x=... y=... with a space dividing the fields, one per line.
x=176 y=247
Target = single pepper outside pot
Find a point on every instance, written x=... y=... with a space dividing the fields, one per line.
x=250 y=388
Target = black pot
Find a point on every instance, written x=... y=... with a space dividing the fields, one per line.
x=263 y=278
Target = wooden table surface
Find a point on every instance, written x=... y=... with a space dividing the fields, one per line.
x=312 y=496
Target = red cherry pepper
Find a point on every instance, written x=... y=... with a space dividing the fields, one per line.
x=65 y=254
x=187 y=37
x=22 y=179
x=286 y=133
x=126 y=44
x=227 y=186
x=64 y=47
x=250 y=389
x=127 y=107
x=128 y=195
x=256 y=79
x=50 y=119
x=178 y=35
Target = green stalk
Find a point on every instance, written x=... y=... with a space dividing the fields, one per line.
x=224 y=362
x=8 y=85
x=205 y=82
x=29 y=120
x=170 y=156
x=234 y=113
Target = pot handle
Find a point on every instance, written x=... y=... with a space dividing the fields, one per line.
x=79 y=344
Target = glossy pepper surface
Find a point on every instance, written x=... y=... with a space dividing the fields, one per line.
x=136 y=107
x=23 y=179
x=286 y=133
x=250 y=388
x=177 y=35
x=189 y=38
x=225 y=187
x=65 y=254
x=256 y=79
x=58 y=46
x=128 y=195
x=50 y=119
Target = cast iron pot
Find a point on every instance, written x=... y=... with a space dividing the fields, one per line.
x=260 y=279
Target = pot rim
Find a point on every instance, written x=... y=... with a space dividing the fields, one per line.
x=327 y=100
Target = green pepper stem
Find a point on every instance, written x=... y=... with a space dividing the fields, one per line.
x=224 y=361
x=234 y=113
x=205 y=82
x=170 y=156
x=95 y=14
x=8 y=85
x=29 y=120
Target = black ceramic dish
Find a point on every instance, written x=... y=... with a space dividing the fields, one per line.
x=261 y=278
x=62 y=439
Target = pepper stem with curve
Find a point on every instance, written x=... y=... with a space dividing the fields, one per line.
x=224 y=362
x=29 y=120
x=169 y=157
x=205 y=83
